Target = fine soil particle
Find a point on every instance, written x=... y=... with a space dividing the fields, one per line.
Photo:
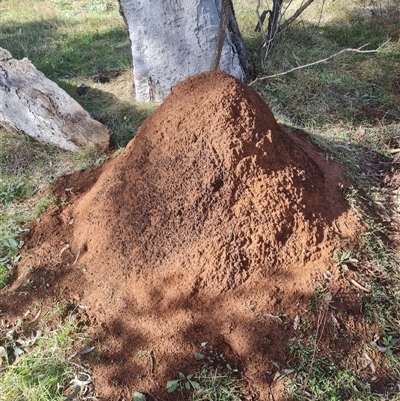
x=212 y=226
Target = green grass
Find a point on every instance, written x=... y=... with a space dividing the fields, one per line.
x=209 y=383
x=10 y=244
x=326 y=382
x=26 y=167
x=11 y=190
x=317 y=370
x=63 y=38
x=215 y=384
x=344 y=89
x=38 y=368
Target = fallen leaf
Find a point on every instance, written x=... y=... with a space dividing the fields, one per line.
x=87 y=350
x=3 y=353
x=296 y=322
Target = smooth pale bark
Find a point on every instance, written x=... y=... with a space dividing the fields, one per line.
x=174 y=39
x=33 y=104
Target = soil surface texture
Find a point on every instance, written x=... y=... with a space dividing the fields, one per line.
x=207 y=234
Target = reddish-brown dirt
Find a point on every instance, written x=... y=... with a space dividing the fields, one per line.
x=213 y=225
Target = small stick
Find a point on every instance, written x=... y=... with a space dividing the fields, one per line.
x=151 y=356
x=300 y=67
x=221 y=34
x=77 y=257
x=359 y=286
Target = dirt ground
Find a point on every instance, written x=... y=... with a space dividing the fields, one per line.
x=213 y=226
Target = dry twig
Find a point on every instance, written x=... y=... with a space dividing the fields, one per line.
x=300 y=67
x=221 y=34
x=294 y=16
x=320 y=331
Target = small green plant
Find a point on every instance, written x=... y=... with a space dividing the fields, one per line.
x=9 y=238
x=139 y=396
x=9 y=246
x=344 y=259
x=386 y=345
x=184 y=382
x=11 y=190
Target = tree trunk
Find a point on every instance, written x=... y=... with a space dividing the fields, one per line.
x=174 y=39
x=31 y=103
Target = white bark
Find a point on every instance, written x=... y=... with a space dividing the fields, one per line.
x=174 y=39
x=31 y=103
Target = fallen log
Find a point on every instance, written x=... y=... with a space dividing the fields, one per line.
x=35 y=105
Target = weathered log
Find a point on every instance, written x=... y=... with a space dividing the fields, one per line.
x=35 y=105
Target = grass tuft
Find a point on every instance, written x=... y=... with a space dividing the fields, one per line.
x=37 y=368
x=216 y=385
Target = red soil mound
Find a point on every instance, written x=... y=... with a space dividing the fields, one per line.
x=211 y=190
x=211 y=221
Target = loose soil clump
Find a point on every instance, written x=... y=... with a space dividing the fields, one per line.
x=210 y=226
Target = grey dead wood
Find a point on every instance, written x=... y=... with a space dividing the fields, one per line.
x=35 y=105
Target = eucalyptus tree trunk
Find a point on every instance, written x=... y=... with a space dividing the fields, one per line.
x=174 y=39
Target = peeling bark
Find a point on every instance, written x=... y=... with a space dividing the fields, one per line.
x=172 y=40
x=33 y=104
